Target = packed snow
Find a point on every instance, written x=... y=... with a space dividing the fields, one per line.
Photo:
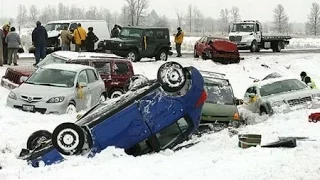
x=217 y=156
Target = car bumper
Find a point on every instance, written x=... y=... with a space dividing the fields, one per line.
x=41 y=107
x=8 y=84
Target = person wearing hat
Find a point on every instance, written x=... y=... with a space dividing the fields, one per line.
x=178 y=39
x=90 y=40
x=39 y=40
x=79 y=36
x=305 y=78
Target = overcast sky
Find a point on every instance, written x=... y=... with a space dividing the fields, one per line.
x=297 y=10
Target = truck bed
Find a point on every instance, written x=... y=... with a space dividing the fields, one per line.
x=268 y=38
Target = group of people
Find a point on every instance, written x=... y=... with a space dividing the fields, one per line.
x=9 y=45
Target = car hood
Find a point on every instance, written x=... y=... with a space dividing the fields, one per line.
x=219 y=110
x=224 y=45
x=293 y=95
x=53 y=33
x=41 y=91
x=23 y=70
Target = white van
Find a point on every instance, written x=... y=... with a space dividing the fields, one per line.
x=100 y=28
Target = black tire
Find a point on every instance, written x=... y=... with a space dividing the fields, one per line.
x=172 y=76
x=133 y=56
x=66 y=132
x=263 y=111
x=278 y=47
x=254 y=46
x=162 y=55
x=204 y=56
x=116 y=93
x=195 y=55
x=37 y=138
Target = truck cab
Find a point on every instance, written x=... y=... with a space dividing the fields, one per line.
x=248 y=36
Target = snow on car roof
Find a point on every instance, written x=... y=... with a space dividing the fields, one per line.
x=67 y=67
x=84 y=55
x=272 y=80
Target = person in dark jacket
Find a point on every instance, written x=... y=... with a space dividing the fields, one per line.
x=115 y=31
x=90 y=40
x=306 y=79
x=6 y=29
x=39 y=40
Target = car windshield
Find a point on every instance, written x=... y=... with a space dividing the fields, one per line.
x=131 y=33
x=52 y=77
x=243 y=27
x=50 y=59
x=282 y=86
x=219 y=94
x=56 y=26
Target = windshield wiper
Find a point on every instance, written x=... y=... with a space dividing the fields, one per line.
x=46 y=84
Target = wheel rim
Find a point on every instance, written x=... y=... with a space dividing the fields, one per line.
x=68 y=139
x=163 y=56
x=131 y=56
x=116 y=94
x=173 y=75
x=71 y=109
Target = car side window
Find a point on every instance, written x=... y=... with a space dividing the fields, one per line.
x=92 y=76
x=83 y=78
x=121 y=68
x=102 y=67
x=160 y=34
x=140 y=148
x=172 y=132
x=149 y=34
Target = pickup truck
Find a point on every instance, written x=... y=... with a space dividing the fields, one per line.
x=248 y=36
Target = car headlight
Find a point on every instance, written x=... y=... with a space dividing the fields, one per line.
x=315 y=96
x=278 y=103
x=55 y=100
x=12 y=95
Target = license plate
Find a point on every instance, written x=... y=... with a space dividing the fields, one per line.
x=27 y=108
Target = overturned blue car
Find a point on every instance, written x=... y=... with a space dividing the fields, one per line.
x=154 y=116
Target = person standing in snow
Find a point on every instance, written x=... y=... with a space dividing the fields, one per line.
x=39 y=40
x=79 y=35
x=115 y=31
x=178 y=39
x=66 y=38
x=5 y=30
x=14 y=42
x=306 y=79
x=91 y=39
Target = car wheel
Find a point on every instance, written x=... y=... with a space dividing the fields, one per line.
x=171 y=76
x=116 y=93
x=263 y=111
x=195 y=55
x=133 y=56
x=37 y=138
x=71 y=109
x=314 y=120
x=102 y=98
x=68 y=139
x=162 y=55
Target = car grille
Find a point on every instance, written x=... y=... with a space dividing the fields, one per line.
x=13 y=76
x=111 y=45
x=40 y=110
x=294 y=102
x=235 y=38
x=30 y=99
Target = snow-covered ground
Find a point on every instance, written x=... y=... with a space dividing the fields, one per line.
x=217 y=156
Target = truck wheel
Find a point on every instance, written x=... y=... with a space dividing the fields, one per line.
x=195 y=55
x=278 y=48
x=171 y=76
x=68 y=139
x=133 y=56
x=254 y=46
x=162 y=55
x=37 y=138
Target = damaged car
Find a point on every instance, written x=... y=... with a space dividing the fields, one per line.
x=158 y=115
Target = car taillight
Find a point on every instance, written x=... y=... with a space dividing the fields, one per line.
x=202 y=98
x=236 y=116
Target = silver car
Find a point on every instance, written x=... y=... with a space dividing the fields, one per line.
x=280 y=95
x=59 y=89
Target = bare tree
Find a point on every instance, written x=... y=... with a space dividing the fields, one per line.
x=132 y=6
x=314 y=19
x=235 y=14
x=63 y=11
x=33 y=12
x=106 y=15
x=162 y=22
x=92 y=13
x=142 y=6
x=189 y=17
x=125 y=15
x=280 y=19
x=224 y=20
x=198 y=19
x=179 y=17
x=22 y=15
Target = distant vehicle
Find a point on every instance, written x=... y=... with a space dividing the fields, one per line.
x=218 y=49
x=158 y=115
x=114 y=70
x=220 y=106
x=54 y=28
x=314 y=117
x=140 y=42
x=59 y=89
x=248 y=36
x=280 y=95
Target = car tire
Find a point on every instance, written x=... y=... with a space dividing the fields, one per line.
x=71 y=109
x=172 y=76
x=133 y=56
x=68 y=139
x=263 y=111
x=162 y=55
x=116 y=93
x=37 y=138
x=195 y=55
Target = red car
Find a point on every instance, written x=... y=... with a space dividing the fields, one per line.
x=114 y=70
x=218 y=49
x=314 y=117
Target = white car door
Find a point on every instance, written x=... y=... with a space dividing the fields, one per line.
x=95 y=86
x=83 y=94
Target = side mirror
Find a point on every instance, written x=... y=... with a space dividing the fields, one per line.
x=82 y=84
x=23 y=79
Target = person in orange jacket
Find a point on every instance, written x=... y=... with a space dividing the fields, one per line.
x=178 y=39
x=79 y=36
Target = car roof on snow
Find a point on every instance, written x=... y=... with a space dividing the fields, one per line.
x=71 y=55
x=67 y=67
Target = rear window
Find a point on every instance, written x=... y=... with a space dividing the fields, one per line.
x=102 y=67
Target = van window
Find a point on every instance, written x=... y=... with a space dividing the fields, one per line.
x=56 y=26
x=121 y=68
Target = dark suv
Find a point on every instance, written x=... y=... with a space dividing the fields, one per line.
x=139 y=42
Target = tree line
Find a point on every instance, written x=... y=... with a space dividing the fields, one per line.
x=138 y=13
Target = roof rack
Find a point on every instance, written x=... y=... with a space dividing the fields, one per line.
x=214 y=74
